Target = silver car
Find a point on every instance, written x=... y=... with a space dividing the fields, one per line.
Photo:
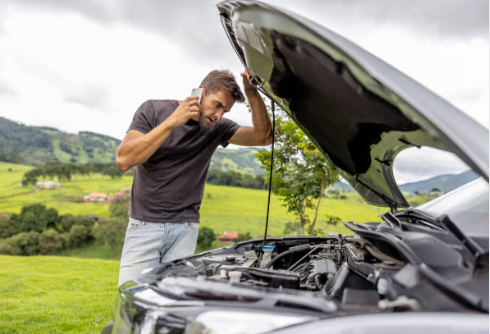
x=420 y=270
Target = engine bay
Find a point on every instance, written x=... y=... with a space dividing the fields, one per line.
x=364 y=273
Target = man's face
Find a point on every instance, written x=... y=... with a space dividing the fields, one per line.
x=213 y=106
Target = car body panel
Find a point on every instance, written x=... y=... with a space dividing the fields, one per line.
x=360 y=111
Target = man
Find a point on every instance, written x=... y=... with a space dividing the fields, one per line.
x=171 y=144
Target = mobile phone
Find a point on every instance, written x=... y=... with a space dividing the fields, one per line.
x=197 y=92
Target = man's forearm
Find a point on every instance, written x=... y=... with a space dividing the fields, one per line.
x=260 y=118
x=136 y=150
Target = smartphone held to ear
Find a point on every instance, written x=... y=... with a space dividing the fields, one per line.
x=197 y=92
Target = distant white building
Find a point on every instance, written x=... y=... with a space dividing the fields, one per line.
x=48 y=184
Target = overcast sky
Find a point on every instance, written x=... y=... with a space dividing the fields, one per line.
x=86 y=65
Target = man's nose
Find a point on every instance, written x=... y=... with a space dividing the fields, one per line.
x=219 y=115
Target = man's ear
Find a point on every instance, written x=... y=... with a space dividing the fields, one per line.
x=203 y=89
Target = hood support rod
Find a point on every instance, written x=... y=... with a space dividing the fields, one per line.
x=273 y=108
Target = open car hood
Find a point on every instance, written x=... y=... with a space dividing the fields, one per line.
x=359 y=111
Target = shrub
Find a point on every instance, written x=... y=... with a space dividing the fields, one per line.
x=243 y=237
x=205 y=238
x=7 y=227
x=119 y=205
x=69 y=220
x=25 y=243
x=35 y=217
x=79 y=234
x=49 y=242
x=111 y=232
x=65 y=240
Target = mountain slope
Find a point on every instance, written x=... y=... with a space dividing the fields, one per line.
x=31 y=145
x=241 y=160
x=444 y=183
x=34 y=146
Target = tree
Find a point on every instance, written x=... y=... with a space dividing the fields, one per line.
x=243 y=237
x=35 y=217
x=119 y=205
x=206 y=237
x=49 y=242
x=113 y=172
x=301 y=173
x=110 y=232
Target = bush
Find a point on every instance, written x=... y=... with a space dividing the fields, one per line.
x=332 y=220
x=49 y=242
x=243 y=237
x=7 y=228
x=65 y=240
x=119 y=205
x=25 y=243
x=111 y=232
x=69 y=220
x=205 y=238
x=35 y=217
x=79 y=234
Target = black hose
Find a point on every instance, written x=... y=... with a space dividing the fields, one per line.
x=292 y=250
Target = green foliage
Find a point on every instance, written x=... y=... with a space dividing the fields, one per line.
x=79 y=234
x=332 y=220
x=65 y=172
x=25 y=243
x=38 y=145
x=69 y=220
x=110 y=232
x=301 y=173
x=113 y=171
x=236 y=179
x=292 y=228
x=240 y=160
x=206 y=238
x=119 y=205
x=34 y=217
x=50 y=242
x=7 y=228
x=244 y=237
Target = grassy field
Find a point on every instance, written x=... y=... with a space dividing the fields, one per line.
x=49 y=294
x=223 y=208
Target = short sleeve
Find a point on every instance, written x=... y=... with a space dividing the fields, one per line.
x=228 y=129
x=144 y=118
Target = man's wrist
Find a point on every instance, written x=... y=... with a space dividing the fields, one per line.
x=170 y=123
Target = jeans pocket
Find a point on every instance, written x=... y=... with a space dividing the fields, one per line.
x=134 y=224
x=192 y=226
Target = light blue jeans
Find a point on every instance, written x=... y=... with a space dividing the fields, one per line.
x=149 y=244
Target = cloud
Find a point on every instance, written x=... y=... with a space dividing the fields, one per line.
x=91 y=96
x=195 y=25
x=449 y=19
x=416 y=164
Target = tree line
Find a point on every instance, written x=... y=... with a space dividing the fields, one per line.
x=64 y=172
x=236 y=179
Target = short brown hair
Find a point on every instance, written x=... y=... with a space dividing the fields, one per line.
x=222 y=81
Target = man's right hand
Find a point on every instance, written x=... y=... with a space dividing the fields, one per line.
x=187 y=109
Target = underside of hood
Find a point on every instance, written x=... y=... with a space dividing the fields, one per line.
x=359 y=111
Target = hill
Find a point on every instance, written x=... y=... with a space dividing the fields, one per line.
x=445 y=183
x=34 y=146
x=239 y=160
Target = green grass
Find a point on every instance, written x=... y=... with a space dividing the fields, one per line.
x=10 y=179
x=50 y=294
x=91 y=251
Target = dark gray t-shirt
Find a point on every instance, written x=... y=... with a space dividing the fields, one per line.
x=169 y=186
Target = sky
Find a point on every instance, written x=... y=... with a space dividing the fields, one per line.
x=86 y=65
